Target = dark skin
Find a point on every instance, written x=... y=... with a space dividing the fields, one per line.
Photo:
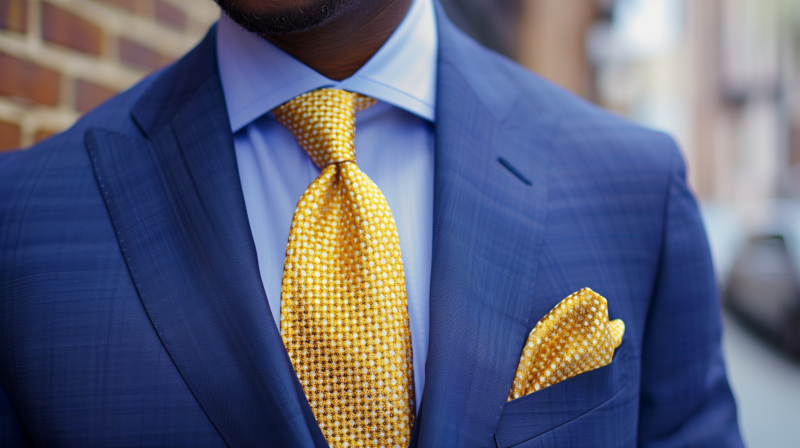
x=338 y=47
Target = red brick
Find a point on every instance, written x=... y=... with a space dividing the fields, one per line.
x=9 y=136
x=88 y=95
x=169 y=15
x=138 y=56
x=22 y=79
x=14 y=15
x=41 y=135
x=64 y=28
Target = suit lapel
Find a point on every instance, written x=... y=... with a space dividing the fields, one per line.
x=176 y=204
x=488 y=225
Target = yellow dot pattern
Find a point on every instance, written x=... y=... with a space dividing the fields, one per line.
x=344 y=312
x=574 y=337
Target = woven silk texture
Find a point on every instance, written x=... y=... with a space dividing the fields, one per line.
x=574 y=337
x=344 y=312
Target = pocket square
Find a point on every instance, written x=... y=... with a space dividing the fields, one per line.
x=573 y=338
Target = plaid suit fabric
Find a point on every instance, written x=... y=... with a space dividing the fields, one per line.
x=131 y=311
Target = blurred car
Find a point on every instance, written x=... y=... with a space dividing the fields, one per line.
x=763 y=285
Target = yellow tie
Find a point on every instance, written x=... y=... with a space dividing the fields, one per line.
x=344 y=314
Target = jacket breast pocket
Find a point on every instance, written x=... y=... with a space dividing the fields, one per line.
x=534 y=414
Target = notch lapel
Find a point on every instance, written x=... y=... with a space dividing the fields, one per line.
x=488 y=227
x=176 y=205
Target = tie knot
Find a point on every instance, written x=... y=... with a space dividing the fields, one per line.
x=323 y=122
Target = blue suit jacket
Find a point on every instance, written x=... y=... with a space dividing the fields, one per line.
x=132 y=312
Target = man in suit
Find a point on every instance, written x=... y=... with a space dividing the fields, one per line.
x=142 y=250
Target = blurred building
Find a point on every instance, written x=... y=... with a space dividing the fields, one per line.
x=60 y=58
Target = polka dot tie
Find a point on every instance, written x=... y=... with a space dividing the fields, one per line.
x=344 y=314
x=573 y=338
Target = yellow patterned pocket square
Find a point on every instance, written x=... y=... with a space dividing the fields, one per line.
x=575 y=337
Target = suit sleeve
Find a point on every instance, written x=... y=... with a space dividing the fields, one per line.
x=11 y=433
x=685 y=399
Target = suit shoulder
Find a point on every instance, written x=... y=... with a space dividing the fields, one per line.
x=613 y=144
x=525 y=103
x=585 y=132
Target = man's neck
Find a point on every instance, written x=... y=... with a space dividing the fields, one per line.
x=337 y=49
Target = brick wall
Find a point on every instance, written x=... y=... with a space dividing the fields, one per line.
x=61 y=58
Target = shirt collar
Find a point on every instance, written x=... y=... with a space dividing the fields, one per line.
x=257 y=76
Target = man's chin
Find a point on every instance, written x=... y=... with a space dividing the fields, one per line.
x=301 y=15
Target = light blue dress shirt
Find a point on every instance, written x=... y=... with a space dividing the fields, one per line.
x=393 y=142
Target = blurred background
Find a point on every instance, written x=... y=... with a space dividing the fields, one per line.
x=721 y=76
